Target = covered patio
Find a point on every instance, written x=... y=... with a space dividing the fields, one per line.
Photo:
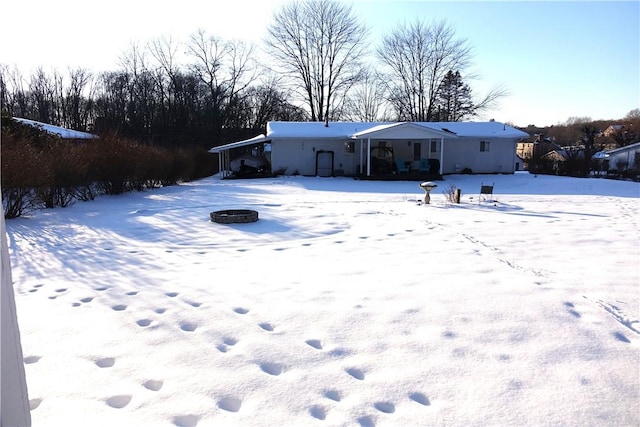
x=401 y=151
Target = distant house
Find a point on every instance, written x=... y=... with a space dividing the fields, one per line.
x=612 y=130
x=63 y=133
x=381 y=149
x=536 y=146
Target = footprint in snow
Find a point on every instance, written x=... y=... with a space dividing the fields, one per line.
x=171 y=294
x=386 y=407
x=143 y=322
x=356 y=373
x=620 y=337
x=119 y=307
x=315 y=344
x=31 y=359
x=186 y=420
x=230 y=404
x=266 y=326
x=271 y=368
x=106 y=362
x=153 y=385
x=34 y=403
x=241 y=310
x=226 y=343
x=188 y=326
x=333 y=395
x=366 y=421
x=318 y=412
x=119 y=401
x=420 y=398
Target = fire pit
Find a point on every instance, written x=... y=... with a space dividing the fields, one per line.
x=230 y=216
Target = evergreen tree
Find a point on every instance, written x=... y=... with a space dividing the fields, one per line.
x=453 y=99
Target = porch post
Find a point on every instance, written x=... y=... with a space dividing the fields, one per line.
x=441 y=155
x=361 y=156
x=368 y=156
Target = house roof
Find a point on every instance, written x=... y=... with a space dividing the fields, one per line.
x=402 y=130
x=626 y=147
x=57 y=130
x=398 y=130
x=350 y=129
x=255 y=140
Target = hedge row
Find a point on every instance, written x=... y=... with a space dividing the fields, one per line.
x=43 y=171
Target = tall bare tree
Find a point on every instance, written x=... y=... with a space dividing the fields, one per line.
x=417 y=58
x=366 y=102
x=319 y=44
x=226 y=68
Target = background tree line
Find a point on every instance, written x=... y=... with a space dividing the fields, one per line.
x=578 y=139
x=207 y=91
x=169 y=101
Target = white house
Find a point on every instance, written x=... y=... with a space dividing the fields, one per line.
x=389 y=149
x=625 y=158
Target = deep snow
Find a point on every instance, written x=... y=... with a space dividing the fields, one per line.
x=347 y=303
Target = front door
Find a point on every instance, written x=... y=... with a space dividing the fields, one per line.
x=324 y=163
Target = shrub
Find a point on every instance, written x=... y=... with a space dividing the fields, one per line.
x=452 y=194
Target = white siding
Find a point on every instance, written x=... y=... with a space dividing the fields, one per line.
x=464 y=153
x=300 y=155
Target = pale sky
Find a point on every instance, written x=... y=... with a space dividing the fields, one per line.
x=557 y=59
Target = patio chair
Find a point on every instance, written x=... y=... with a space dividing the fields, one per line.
x=487 y=191
x=424 y=166
x=401 y=166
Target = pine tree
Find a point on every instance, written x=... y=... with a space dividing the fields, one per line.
x=453 y=101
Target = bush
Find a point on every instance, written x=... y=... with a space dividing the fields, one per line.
x=40 y=170
x=452 y=194
x=21 y=172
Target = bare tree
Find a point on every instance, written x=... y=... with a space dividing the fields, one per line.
x=366 y=102
x=319 y=44
x=417 y=58
x=225 y=68
x=78 y=99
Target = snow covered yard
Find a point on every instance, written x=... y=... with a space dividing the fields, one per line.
x=347 y=303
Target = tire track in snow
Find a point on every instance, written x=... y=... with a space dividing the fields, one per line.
x=534 y=271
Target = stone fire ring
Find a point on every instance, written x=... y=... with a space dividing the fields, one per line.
x=230 y=216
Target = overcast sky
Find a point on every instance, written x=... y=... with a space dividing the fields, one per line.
x=557 y=59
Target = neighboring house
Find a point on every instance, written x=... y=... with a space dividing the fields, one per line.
x=63 y=133
x=388 y=149
x=625 y=158
x=612 y=130
x=535 y=147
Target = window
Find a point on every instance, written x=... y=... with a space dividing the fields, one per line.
x=484 y=145
x=350 y=147
x=417 y=149
x=434 y=146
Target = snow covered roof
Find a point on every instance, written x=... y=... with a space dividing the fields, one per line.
x=57 y=130
x=255 y=140
x=399 y=130
x=353 y=129
x=633 y=146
